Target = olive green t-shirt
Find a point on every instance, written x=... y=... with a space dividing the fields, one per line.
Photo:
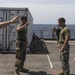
x=64 y=32
x=21 y=34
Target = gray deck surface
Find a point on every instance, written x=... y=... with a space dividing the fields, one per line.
x=38 y=63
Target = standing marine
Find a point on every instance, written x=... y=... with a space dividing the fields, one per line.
x=64 y=47
x=21 y=43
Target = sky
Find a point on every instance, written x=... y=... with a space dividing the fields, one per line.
x=45 y=11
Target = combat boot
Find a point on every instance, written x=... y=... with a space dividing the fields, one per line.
x=24 y=70
x=61 y=73
x=17 y=72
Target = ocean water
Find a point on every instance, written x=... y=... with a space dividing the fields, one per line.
x=44 y=30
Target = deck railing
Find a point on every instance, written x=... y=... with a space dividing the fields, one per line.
x=47 y=34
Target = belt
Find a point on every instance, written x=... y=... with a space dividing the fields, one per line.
x=21 y=39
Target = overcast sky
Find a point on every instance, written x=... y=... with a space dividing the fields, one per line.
x=46 y=11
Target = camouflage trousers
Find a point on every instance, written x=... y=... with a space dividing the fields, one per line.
x=64 y=58
x=20 y=54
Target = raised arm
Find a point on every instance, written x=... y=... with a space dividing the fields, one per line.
x=20 y=28
x=4 y=24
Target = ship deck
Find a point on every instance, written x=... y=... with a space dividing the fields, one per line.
x=42 y=62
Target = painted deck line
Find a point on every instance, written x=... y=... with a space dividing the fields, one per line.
x=50 y=63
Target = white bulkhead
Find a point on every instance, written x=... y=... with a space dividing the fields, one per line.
x=8 y=34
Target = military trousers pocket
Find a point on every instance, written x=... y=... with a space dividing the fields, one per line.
x=65 y=57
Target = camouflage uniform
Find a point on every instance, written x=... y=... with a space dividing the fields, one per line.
x=64 y=56
x=20 y=48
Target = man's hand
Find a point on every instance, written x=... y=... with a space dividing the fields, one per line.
x=59 y=45
x=62 y=49
x=14 y=20
x=74 y=60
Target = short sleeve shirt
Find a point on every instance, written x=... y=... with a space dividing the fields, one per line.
x=21 y=34
x=64 y=32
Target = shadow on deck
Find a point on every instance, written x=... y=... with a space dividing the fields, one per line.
x=40 y=48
